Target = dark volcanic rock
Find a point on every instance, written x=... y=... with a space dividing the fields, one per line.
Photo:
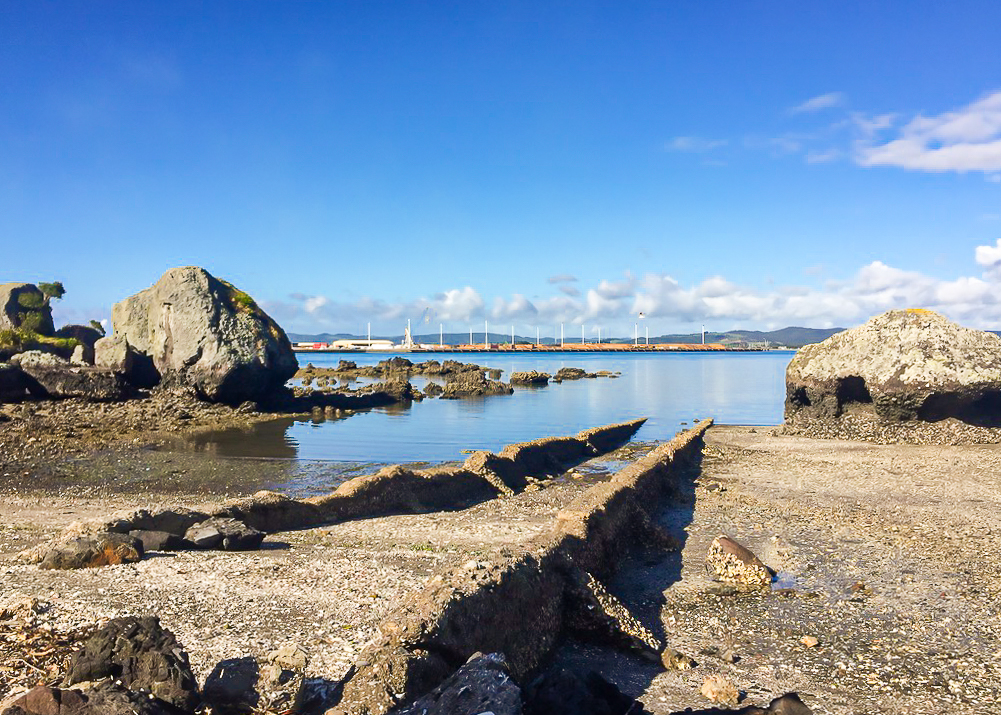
x=202 y=332
x=902 y=365
x=51 y=376
x=433 y=389
x=481 y=685
x=103 y=549
x=224 y=533
x=563 y=692
x=142 y=655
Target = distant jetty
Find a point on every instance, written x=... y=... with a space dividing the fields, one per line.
x=356 y=346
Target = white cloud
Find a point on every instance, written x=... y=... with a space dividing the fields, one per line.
x=695 y=144
x=615 y=304
x=966 y=139
x=314 y=302
x=823 y=101
x=570 y=291
x=562 y=278
x=870 y=126
x=517 y=308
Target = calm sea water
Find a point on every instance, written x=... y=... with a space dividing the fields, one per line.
x=670 y=390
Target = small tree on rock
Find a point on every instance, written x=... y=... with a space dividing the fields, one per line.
x=52 y=290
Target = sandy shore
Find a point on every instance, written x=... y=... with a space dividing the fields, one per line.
x=883 y=552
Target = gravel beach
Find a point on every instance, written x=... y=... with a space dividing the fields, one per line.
x=883 y=554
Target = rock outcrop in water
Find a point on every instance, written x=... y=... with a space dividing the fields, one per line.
x=904 y=365
x=193 y=329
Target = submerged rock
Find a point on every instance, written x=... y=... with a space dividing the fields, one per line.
x=472 y=383
x=196 y=330
x=532 y=377
x=902 y=365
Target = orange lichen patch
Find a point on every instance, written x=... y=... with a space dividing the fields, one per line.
x=921 y=311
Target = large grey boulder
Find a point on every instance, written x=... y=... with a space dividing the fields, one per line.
x=902 y=365
x=22 y=305
x=195 y=330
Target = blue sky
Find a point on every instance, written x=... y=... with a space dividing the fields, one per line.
x=737 y=164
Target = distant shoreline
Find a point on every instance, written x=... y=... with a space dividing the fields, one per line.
x=535 y=349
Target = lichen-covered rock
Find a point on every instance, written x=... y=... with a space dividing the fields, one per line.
x=734 y=563
x=202 y=332
x=141 y=654
x=22 y=305
x=90 y=551
x=902 y=365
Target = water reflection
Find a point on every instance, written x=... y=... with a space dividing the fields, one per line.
x=668 y=389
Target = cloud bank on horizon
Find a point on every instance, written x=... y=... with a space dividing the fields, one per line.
x=875 y=288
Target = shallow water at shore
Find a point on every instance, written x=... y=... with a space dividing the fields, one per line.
x=671 y=390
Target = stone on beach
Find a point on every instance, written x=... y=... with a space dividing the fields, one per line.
x=92 y=550
x=141 y=654
x=51 y=376
x=224 y=533
x=734 y=563
x=720 y=690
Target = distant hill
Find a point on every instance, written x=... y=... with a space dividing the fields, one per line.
x=791 y=337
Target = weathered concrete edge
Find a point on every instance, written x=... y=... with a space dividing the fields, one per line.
x=399 y=490
x=513 y=605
